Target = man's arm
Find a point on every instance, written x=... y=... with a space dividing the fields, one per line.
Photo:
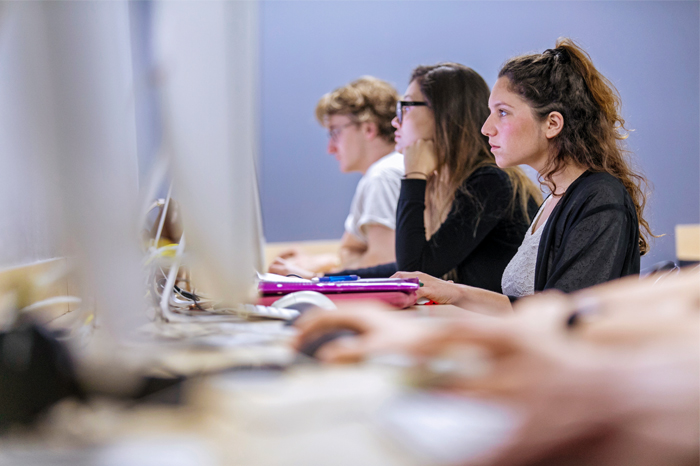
x=297 y=262
x=380 y=248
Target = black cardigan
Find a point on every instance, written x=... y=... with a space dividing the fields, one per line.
x=591 y=236
x=477 y=239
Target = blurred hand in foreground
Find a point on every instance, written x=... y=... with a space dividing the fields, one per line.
x=615 y=386
x=618 y=387
x=380 y=329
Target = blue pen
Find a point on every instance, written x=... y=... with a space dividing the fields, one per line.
x=339 y=278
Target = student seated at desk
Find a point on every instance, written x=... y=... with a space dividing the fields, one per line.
x=555 y=112
x=360 y=135
x=459 y=213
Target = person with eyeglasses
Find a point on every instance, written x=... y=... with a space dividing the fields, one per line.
x=360 y=136
x=459 y=215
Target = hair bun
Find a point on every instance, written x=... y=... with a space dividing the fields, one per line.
x=560 y=54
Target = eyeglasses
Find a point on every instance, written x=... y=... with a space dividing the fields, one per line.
x=401 y=104
x=335 y=132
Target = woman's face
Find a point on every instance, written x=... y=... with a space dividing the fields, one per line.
x=418 y=122
x=515 y=134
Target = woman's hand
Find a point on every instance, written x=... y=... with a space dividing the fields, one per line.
x=467 y=297
x=434 y=289
x=420 y=158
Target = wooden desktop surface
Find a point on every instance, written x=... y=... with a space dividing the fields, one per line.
x=688 y=242
x=272 y=250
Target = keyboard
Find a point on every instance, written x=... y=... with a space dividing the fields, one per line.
x=267 y=312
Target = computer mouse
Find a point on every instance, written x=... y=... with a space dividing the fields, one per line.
x=311 y=347
x=305 y=300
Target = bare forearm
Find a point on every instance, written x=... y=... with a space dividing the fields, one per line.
x=368 y=259
x=350 y=257
x=483 y=301
x=378 y=249
x=325 y=262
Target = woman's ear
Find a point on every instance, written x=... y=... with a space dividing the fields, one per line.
x=554 y=123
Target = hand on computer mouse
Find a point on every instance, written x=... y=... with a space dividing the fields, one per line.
x=310 y=347
x=377 y=327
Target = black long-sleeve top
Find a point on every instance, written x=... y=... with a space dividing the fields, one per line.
x=591 y=236
x=478 y=238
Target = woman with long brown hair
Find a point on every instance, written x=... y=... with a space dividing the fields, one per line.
x=459 y=215
x=556 y=113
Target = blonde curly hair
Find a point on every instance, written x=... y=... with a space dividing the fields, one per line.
x=366 y=99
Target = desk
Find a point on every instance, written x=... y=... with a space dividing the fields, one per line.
x=272 y=250
x=688 y=243
x=306 y=415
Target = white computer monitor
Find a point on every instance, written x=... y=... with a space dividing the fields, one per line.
x=78 y=111
x=206 y=60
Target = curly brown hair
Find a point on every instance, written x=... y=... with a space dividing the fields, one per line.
x=365 y=99
x=564 y=80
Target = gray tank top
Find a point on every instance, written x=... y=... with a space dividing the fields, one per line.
x=519 y=276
